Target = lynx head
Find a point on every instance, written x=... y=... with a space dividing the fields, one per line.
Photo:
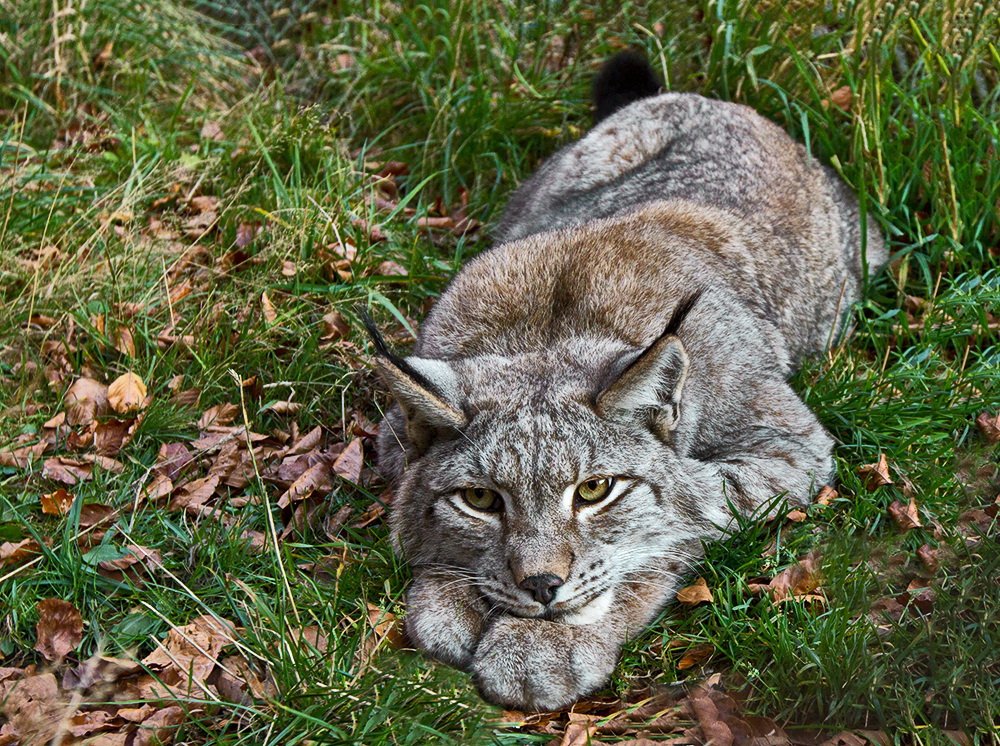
x=545 y=479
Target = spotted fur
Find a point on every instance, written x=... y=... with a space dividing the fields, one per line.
x=651 y=289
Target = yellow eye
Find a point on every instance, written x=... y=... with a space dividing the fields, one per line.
x=594 y=489
x=483 y=499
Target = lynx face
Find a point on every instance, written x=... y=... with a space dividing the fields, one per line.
x=544 y=498
x=555 y=493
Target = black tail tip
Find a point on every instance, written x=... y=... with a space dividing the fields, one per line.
x=624 y=78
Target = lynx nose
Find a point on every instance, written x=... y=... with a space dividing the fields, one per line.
x=542 y=587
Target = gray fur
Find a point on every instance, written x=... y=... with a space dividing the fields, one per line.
x=550 y=367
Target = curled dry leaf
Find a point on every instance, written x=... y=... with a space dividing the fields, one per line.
x=826 y=495
x=695 y=655
x=929 y=558
x=60 y=629
x=695 y=594
x=798 y=581
x=842 y=98
x=15 y=552
x=284 y=407
x=195 y=492
x=989 y=426
x=193 y=649
x=66 y=470
x=270 y=314
x=907 y=516
x=85 y=400
x=57 y=503
x=219 y=415
x=348 y=464
x=796 y=516
x=334 y=327
x=95 y=514
x=127 y=393
x=876 y=475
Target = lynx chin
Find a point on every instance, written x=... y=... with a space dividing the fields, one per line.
x=598 y=392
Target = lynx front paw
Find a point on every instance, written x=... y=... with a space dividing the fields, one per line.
x=532 y=664
x=445 y=620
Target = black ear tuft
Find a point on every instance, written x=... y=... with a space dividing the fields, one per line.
x=383 y=350
x=681 y=312
x=624 y=78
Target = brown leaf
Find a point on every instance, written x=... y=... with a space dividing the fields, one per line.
x=580 y=731
x=334 y=327
x=989 y=426
x=842 y=98
x=21 y=457
x=127 y=393
x=797 y=580
x=317 y=477
x=695 y=594
x=826 y=495
x=136 y=554
x=57 y=503
x=85 y=400
x=348 y=464
x=94 y=514
x=192 y=650
x=173 y=459
x=196 y=492
x=239 y=684
x=270 y=314
x=284 y=407
x=159 y=729
x=124 y=342
x=391 y=269
x=929 y=558
x=113 y=435
x=907 y=517
x=13 y=553
x=220 y=415
x=60 y=629
x=876 y=475
x=307 y=442
x=65 y=470
x=159 y=487
x=695 y=655
x=796 y=516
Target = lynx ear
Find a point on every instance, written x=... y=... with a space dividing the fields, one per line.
x=651 y=384
x=426 y=390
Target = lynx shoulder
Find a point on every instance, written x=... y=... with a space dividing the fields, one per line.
x=596 y=394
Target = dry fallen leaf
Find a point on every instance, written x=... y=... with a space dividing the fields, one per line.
x=989 y=426
x=127 y=393
x=348 y=464
x=219 y=415
x=842 y=98
x=60 y=629
x=85 y=400
x=695 y=594
x=270 y=314
x=876 y=475
x=334 y=327
x=57 y=503
x=907 y=517
x=796 y=516
x=695 y=655
x=826 y=495
x=12 y=553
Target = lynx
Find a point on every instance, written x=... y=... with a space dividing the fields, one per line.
x=603 y=389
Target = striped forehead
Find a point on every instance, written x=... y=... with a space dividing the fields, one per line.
x=535 y=451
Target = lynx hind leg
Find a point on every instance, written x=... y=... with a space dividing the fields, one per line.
x=445 y=617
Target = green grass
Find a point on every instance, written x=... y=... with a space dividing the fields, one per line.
x=471 y=95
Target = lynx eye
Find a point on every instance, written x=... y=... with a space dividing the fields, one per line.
x=482 y=499
x=594 y=489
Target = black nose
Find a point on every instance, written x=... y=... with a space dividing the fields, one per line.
x=542 y=587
